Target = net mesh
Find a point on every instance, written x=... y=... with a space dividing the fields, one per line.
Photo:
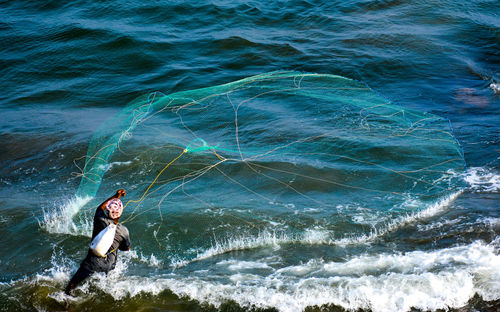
x=273 y=144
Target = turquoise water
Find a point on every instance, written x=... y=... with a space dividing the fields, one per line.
x=311 y=228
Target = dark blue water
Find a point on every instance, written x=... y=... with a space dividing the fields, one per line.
x=68 y=67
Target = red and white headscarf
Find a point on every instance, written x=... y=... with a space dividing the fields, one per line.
x=114 y=207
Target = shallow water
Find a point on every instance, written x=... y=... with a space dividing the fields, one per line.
x=67 y=67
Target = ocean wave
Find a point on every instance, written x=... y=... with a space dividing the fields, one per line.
x=313 y=236
x=483 y=179
x=263 y=239
x=427 y=280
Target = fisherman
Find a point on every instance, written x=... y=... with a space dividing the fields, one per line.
x=108 y=212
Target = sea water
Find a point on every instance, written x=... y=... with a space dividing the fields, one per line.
x=69 y=66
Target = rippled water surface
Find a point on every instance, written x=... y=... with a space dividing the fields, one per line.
x=67 y=67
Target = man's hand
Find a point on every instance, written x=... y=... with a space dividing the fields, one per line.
x=120 y=193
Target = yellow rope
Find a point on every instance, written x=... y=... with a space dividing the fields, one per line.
x=152 y=183
x=220 y=157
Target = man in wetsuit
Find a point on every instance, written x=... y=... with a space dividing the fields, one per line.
x=107 y=212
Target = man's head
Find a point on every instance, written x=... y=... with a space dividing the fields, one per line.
x=114 y=208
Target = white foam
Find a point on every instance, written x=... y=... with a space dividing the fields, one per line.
x=441 y=279
x=495 y=86
x=114 y=164
x=151 y=261
x=59 y=219
x=59 y=272
x=315 y=234
x=416 y=262
x=438 y=224
x=490 y=221
x=427 y=280
x=365 y=216
x=237 y=265
x=113 y=283
x=3 y=220
x=485 y=180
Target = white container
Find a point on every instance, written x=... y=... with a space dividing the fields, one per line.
x=103 y=241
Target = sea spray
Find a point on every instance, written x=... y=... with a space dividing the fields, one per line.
x=59 y=219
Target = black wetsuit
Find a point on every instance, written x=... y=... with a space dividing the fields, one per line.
x=93 y=263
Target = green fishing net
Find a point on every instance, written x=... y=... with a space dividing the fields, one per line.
x=282 y=143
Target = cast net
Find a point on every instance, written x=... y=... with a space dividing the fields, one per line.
x=280 y=150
